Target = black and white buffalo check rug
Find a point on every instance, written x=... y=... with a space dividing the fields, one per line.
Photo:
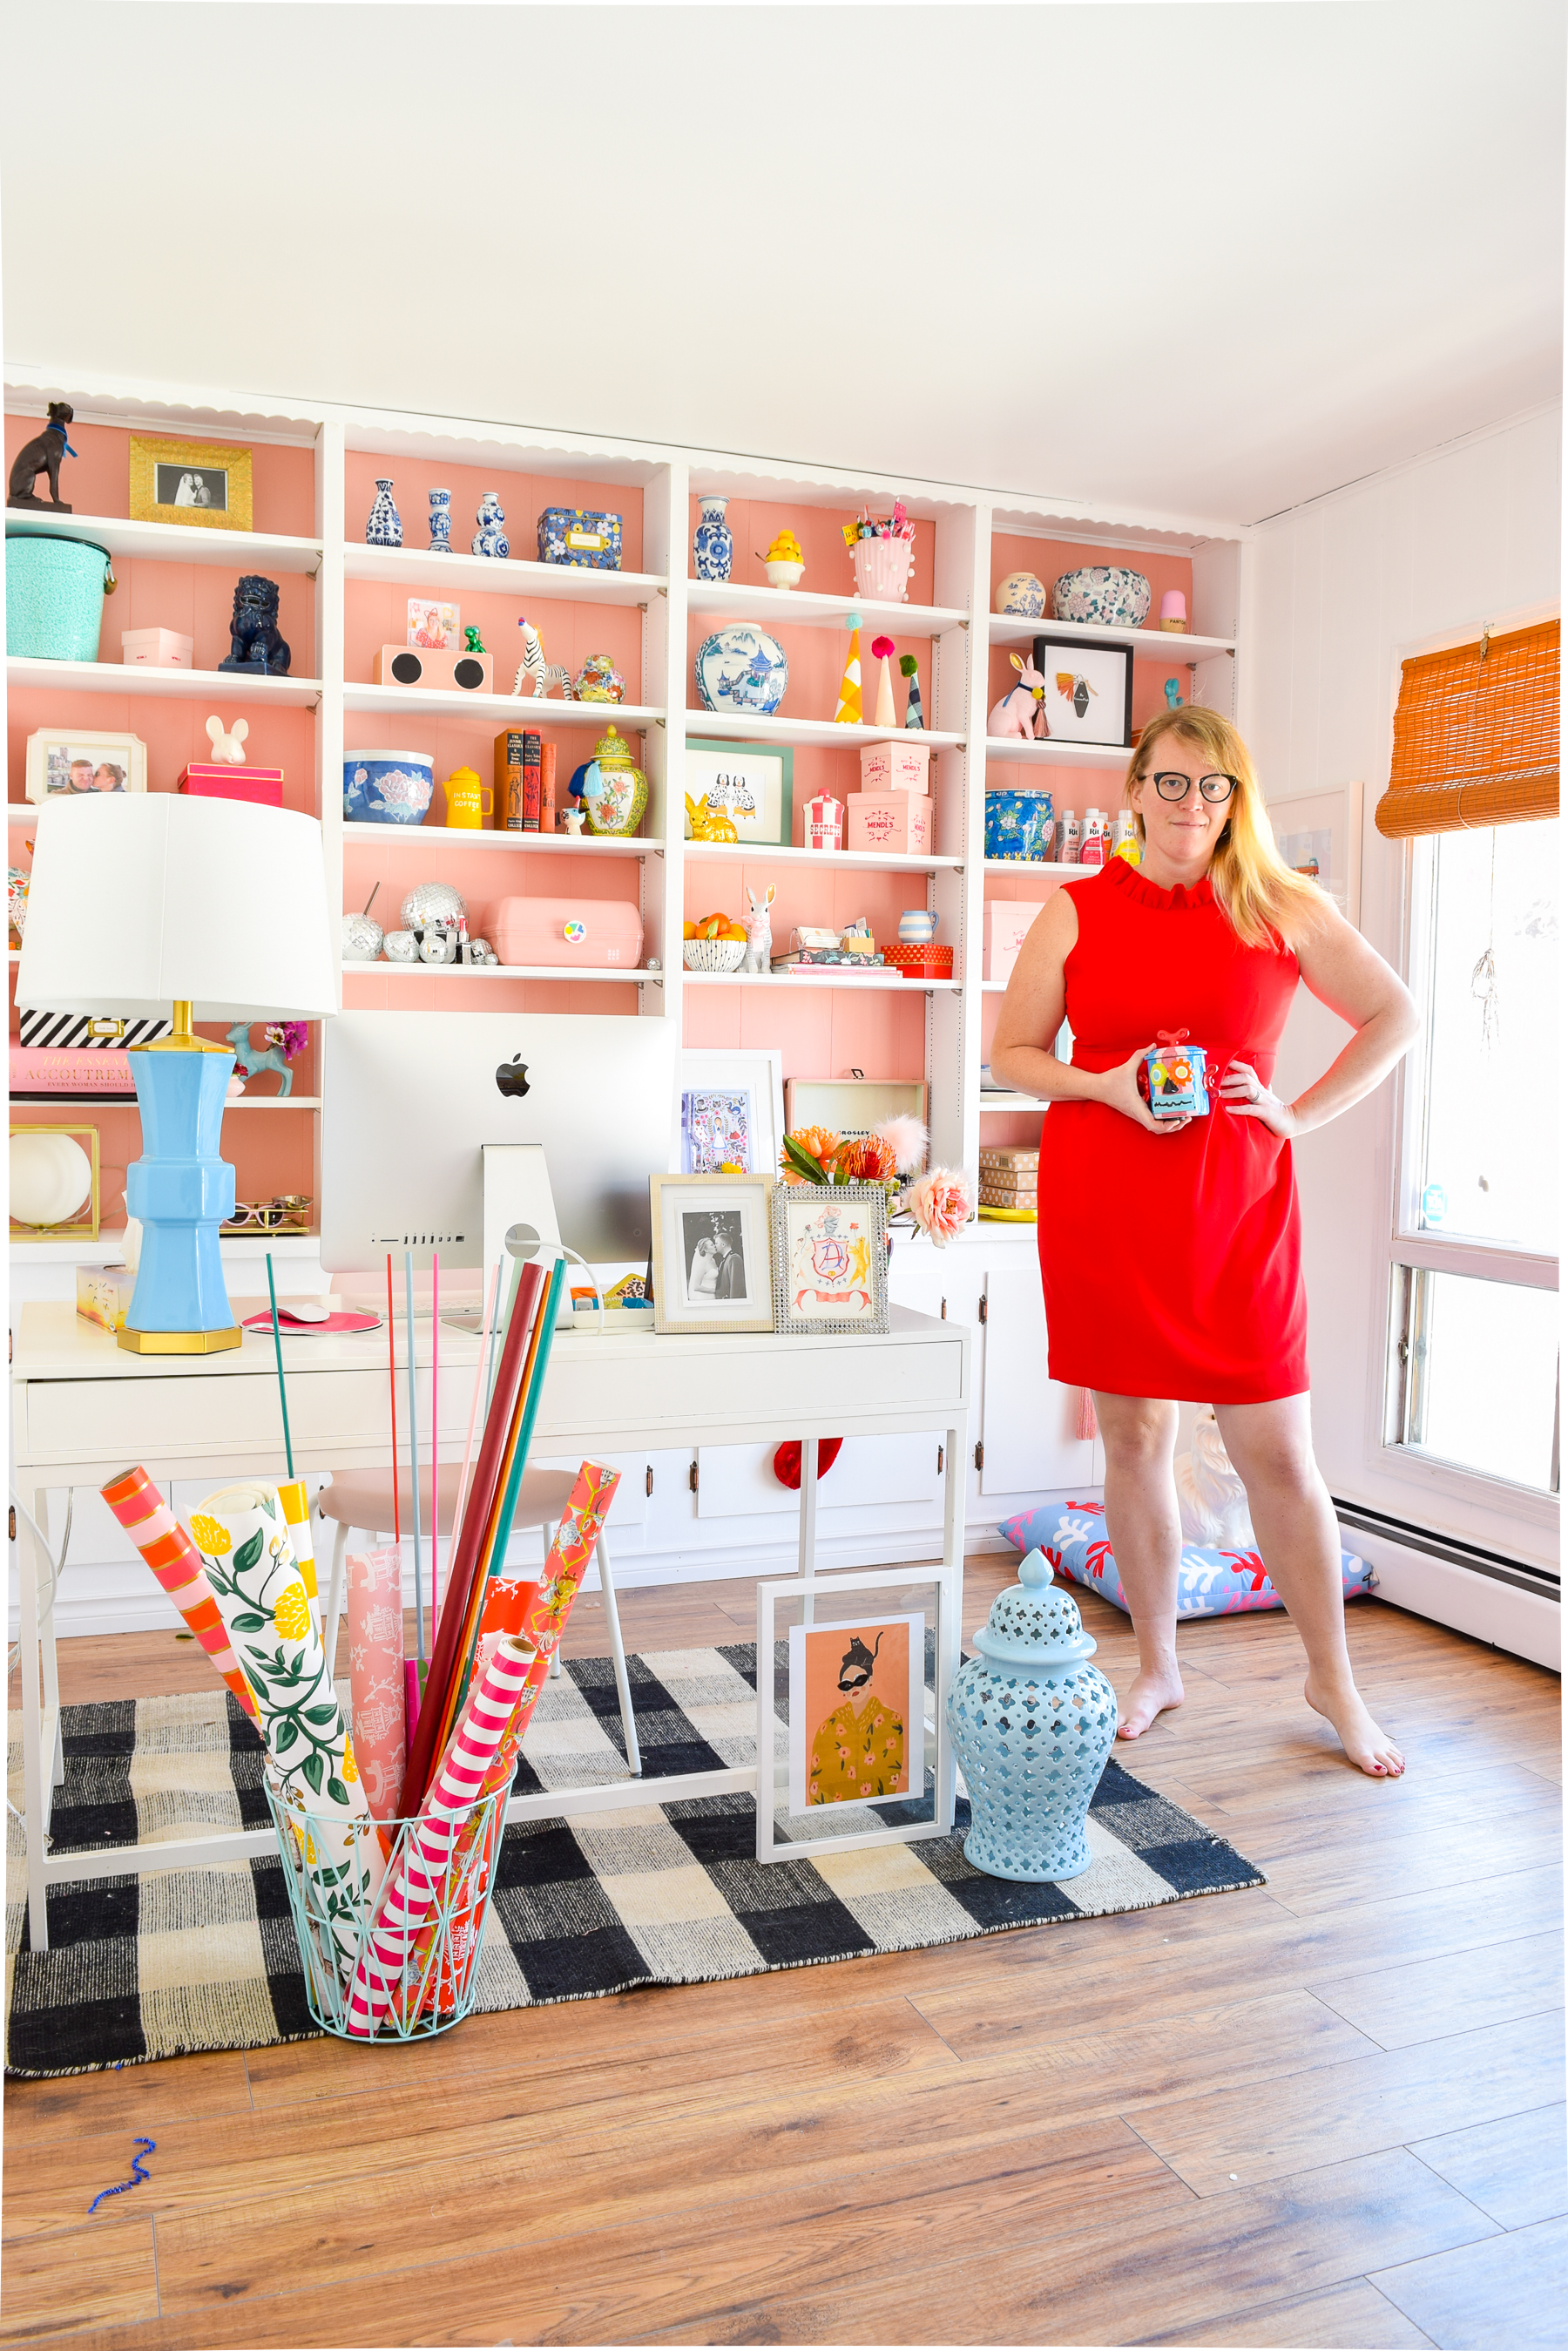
x=174 y=1961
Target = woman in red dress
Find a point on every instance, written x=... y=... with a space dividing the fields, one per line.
x=1208 y=937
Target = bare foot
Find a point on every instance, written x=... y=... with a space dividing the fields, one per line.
x=1151 y=1694
x=1370 y=1749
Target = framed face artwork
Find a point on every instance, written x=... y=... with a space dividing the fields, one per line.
x=711 y=1253
x=751 y=784
x=1088 y=690
x=206 y=485
x=830 y=1257
x=853 y=1692
x=1319 y=834
x=61 y=764
x=731 y=1111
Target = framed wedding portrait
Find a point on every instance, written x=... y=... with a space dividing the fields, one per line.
x=206 y=485
x=712 y=1263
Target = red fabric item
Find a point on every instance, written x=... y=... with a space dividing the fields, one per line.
x=786 y=1460
x=1172 y=1264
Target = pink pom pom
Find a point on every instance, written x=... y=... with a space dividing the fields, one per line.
x=941 y=1204
x=881 y=647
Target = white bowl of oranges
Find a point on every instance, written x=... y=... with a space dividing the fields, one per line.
x=717 y=943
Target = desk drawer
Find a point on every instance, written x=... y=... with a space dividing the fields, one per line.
x=225 y=1412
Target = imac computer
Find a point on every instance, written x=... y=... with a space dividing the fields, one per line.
x=447 y=1131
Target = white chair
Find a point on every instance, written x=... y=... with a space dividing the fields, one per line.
x=363 y=1499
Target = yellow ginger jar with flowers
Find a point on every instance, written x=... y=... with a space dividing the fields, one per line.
x=618 y=804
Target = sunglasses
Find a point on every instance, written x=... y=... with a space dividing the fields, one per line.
x=289 y=1213
x=1215 y=789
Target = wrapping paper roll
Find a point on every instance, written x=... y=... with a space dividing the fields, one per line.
x=376 y=1676
x=296 y=1511
x=244 y=1539
x=420 y=1880
x=176 y=1563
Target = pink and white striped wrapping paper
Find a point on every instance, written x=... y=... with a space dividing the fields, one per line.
x=376 y=1676
x=174 y=1559
x=410 y=1892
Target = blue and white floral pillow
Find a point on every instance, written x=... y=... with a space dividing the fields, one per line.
x=1208 y=1582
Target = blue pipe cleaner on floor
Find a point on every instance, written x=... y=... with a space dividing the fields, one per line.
x=137 y=2173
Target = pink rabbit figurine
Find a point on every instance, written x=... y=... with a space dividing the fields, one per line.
x=759 y=933
x=1021 y=711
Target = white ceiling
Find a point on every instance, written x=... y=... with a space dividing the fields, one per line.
x=1211 y=256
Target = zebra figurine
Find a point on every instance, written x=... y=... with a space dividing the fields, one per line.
x=533 y=665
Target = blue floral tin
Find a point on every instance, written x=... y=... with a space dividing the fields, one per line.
x=1172 y=1077
x=1018 y=825
x=574 y=535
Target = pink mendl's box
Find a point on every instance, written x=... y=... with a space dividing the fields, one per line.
x=48 y=1069
x=901 y=821
x=155 y=649
x=262 y=787
x=1007 y=925
x=901 y=766
x=592 y=932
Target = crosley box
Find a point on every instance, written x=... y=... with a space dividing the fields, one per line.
x=593 y=932
x=104 y=1295
x=155 y=649
x=900 y=820
x=262 y=786
x=1007 y=925
x=903 y=766
x=574 y=535
x=927 y=961
x=432 y=668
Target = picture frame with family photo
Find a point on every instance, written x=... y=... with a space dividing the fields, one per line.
x=711 y=1259
x=200 y=485
x=64 y=763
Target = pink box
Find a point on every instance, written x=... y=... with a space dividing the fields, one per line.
x=262 y=787
x=824 y=823
x=1007 y=925
x=41 y=1070
x=593 y=932
x=155 y=649
x=900 y=820
x=902 y=764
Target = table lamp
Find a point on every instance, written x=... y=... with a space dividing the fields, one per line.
x=144 y=900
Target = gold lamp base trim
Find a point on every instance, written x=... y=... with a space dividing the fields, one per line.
x=179 y=1342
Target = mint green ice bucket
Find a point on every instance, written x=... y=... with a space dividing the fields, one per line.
x=55 y=589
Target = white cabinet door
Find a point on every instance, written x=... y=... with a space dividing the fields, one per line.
x=738 y=1480
x=1028 y=1425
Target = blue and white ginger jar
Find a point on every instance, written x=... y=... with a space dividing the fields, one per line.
x=1032 y=1723
x=385 y=525
x=490 y=539
x=711 y=544
x=742 y=668
x=441 y=522
x=1106 y=595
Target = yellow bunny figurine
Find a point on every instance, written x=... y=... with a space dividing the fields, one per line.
x=705 y=823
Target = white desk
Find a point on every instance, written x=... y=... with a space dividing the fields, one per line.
x=83 y=1410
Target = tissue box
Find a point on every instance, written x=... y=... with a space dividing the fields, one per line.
x=155 y=649
x=104 y=1294
x=898 y=766
x=1007 y=925
x=895 y=820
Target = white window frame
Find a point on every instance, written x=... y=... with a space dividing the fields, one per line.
x=1408 y=1245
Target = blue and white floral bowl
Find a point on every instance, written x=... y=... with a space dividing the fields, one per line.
x=386 y=786
x=1104 y=595
x=742 y=668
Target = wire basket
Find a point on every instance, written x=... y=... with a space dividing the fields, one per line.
x=430 y=1982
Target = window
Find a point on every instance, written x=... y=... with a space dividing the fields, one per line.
x=1473 y=1363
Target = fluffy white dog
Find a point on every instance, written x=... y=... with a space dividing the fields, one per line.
x=1212 y=1498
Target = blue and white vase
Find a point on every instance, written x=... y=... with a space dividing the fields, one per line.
x=1032 y=1723
x=712 y=545
x=490 y=539
x=917 y=926
x=441 y=522
x=385 y=527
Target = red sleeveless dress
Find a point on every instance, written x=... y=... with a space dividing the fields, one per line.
x=1172 y=1264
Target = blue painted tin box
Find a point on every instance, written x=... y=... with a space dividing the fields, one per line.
x=572 y=534
x=1019 y=824
x=1171 y=1076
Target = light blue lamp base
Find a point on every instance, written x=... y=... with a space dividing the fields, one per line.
x=182 y=1191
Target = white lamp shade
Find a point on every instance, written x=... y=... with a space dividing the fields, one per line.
x=141 y=899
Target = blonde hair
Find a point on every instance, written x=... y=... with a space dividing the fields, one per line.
x=1263 y=901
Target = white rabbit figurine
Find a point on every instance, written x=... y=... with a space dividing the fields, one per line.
x=228 y=749
x=759 y=934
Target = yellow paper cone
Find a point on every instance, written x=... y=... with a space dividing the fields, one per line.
x=848 y=712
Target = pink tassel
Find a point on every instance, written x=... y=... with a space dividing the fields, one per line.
x=1088 y=1426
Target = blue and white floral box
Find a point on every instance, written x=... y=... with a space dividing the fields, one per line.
x=572 y=534
x=1208 y=1582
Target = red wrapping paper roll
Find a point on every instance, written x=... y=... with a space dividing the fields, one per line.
x=176 y=1563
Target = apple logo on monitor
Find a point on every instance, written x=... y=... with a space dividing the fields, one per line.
x=512 y=1078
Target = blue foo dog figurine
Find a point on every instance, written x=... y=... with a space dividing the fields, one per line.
x=254 y=641
x=1032 y=1723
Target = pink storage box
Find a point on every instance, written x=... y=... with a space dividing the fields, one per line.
x=44 y=1069
x=900 y=820
x=593 y=932
x=155 y=649
x=903 y=766
x=262 y=787
x=1007 y=925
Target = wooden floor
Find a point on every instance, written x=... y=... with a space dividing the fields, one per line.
x=1326 y=2112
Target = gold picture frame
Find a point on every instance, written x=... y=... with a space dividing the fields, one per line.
x=173 y=481
x=84 y=1225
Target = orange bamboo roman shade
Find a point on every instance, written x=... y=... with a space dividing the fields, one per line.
x=1475 y=736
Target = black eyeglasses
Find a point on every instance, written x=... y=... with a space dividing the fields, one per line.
x=1217 y=788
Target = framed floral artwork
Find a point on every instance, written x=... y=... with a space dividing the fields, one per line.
x=830 y=1259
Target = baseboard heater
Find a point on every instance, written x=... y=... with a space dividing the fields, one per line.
x=1355 y=1517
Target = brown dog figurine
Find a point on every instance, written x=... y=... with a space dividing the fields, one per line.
x=43 y=455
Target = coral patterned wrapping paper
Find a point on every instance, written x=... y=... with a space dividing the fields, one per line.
x=376 y=1676
x=169 y=1552
x=244 y=1539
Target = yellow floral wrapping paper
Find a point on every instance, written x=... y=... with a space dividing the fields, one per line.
x=243 y=1538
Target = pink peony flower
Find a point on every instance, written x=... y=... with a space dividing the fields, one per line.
x=941 y=1204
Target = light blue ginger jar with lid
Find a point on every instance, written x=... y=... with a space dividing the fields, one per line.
x=1032 y=1723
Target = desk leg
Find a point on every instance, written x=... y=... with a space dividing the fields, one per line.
x=51 y=1657
x=952 y=1610
x=808 y=1524
x=37 y=1771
